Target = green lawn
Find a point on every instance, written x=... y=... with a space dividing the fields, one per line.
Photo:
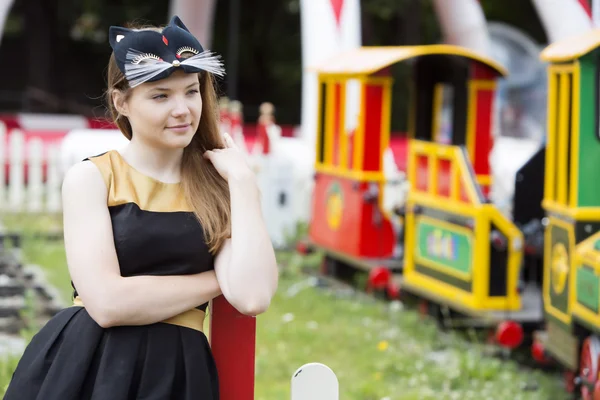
x=379 y=350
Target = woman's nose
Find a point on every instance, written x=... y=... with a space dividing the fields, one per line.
x=180 y=108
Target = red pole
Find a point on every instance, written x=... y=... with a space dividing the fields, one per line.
x=233 y=343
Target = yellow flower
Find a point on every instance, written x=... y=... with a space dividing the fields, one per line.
x=377 y=376
x=383 y=345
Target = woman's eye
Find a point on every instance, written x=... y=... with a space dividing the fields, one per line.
x=193 y=91
x=159 y=96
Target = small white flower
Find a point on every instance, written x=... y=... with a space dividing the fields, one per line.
x=312 y=325
x=289 y=317
x=396 y=306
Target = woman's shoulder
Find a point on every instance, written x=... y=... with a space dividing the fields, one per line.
x=88 y=177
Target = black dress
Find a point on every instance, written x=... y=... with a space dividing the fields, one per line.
x=73 y=358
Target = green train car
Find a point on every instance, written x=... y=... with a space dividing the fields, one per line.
x=571 y=290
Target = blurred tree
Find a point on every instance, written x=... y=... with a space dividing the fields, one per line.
x=269 y=56
x=42 y=28
x=67 y=50
x=525 y=18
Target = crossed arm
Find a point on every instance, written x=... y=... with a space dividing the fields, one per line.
x=246 y=267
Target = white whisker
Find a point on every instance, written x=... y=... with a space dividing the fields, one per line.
x=206 y=61
x=144 y=67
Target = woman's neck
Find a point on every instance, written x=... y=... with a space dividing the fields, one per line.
x=163 y=164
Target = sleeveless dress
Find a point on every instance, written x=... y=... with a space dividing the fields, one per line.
x=73 y=358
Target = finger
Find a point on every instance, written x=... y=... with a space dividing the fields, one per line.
x=229 y=140
x=207 y=154
x=224 y=136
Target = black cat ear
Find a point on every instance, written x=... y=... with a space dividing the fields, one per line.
x=176 y=21
x=116 y=34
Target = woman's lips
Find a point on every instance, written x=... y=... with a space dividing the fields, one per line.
x=179 y=128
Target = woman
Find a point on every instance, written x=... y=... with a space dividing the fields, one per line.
x=153 y=232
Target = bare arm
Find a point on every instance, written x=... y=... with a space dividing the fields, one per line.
x=111 y=299
x=246 y=265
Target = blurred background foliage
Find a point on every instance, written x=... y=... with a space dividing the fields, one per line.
x=59 y=49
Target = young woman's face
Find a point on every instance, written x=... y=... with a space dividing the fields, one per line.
x=166 y=113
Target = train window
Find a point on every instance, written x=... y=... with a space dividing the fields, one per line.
x=597 y=96
x=569 y=137
x=440 y=99
x=335 y=138
x=321 y=123
x=560 y=134
x=282 y=199
x=443 y=113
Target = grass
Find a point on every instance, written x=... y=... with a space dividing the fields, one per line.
x=379 y=350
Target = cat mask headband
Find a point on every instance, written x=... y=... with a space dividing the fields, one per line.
x=147 y=56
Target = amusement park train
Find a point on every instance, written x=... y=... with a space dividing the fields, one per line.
x=532 y=276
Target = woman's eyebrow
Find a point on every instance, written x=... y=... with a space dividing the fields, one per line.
x=167 y=89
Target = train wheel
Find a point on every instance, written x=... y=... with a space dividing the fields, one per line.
x=424 y=308
x=378 y=279
x=324 y=266
x=538 y=353
x=569 y=378
x=597 y=391
x=490 y=337
x=393 y=291
x=328 y=267
x=588 y=367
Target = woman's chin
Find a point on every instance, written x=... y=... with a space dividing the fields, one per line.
x=177 y=141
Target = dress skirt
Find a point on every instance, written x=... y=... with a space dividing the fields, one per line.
x=73 y=358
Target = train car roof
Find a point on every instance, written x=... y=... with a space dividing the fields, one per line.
x=572 y=47
x=369 y=59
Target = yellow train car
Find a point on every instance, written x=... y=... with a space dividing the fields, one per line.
x=461 y=253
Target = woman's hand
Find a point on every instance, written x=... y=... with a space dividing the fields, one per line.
x=229 y=162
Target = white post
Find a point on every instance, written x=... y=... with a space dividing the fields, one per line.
x=34 y=175
x=315 y=381
x=16 y=187
x=53 y=184
x=596 y=13
x=5 y=7
x=3 y=152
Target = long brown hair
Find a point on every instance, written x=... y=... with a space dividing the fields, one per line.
x=205 y=190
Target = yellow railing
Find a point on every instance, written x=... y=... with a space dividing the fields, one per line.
x=586 y=255
x=459 y=171
x=485 y=217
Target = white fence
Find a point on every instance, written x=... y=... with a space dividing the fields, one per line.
x=37 y=169
x=28 y=158
x=28 y=192
x=284 y=175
